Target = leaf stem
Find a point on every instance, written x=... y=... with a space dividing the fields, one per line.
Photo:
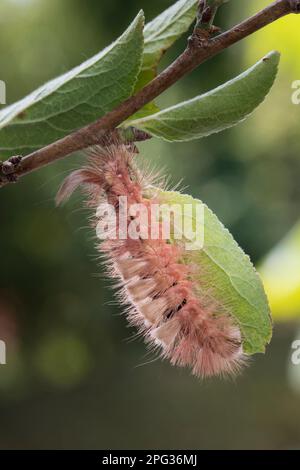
x=197 y=52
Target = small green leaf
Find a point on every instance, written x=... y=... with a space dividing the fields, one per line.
x=76 y=98
x=227 y=276
x=216 y=110
x=165 y=29
x=159 y=35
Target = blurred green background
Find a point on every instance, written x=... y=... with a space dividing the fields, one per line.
x=74 y=378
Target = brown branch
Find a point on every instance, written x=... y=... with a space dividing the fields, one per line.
x=199 y=49
x=207 y=10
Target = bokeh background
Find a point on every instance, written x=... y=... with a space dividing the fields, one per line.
x=74 y=379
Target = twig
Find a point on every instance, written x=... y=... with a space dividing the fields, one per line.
x=206 y=13
x=195 y=54
x=11 y=169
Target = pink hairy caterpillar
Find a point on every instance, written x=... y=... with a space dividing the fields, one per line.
x=158 y=283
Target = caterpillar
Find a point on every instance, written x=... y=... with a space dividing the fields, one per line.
x=160 y=287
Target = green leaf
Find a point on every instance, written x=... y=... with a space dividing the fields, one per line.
x=227 y=275
x=159 y=35
x=216 y=110
x=145 y=77
x=165 y=29
x=76 y=98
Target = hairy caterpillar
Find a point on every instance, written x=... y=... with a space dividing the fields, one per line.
x=159 y=285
